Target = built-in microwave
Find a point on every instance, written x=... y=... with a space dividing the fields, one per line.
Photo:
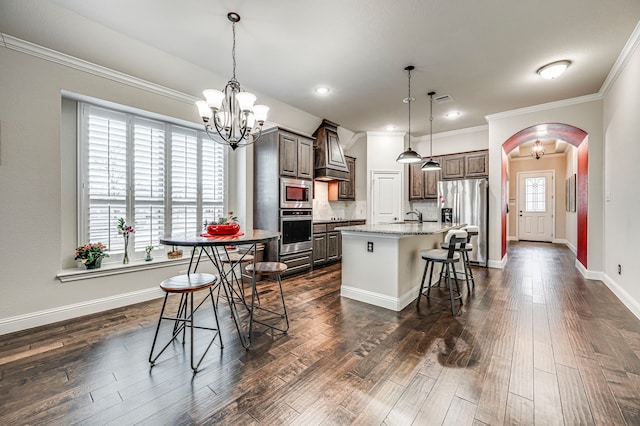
x=296 y=193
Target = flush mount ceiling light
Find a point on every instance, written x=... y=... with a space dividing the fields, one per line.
x=453 y=114
x=409 y=156
x=390 y=127
x=322 y=90
x=431 y=164
x=231 y=113
x=554 y=69
x=537 y=151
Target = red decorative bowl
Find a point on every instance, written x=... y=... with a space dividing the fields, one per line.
x=227 y=229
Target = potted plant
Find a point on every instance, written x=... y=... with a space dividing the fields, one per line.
x=148 y=250
x=175 y=253
x=91 y=255
x=226 y=225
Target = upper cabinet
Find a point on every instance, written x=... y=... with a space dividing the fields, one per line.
x=423 y=185
x=329 y=160
x=344 y=190
x=295 y=154
x=473 y=164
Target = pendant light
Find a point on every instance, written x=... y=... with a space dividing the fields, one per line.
x=431 y=164
x=231 y=113
x=409 y=156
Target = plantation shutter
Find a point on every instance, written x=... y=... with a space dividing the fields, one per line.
x=106 y=175
x=184 y=180
x=149 y=182
x=213 y=179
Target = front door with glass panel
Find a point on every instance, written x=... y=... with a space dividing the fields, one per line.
x=535 y=206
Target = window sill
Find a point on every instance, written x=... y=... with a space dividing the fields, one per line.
x=107 y=269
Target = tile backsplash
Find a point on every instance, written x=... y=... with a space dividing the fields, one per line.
x=323 y=209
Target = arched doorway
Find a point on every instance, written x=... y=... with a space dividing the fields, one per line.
x=576 y=137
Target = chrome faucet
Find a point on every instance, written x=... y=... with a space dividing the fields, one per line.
x=417 y=213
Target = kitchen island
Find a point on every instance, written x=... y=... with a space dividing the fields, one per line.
x=381 y=263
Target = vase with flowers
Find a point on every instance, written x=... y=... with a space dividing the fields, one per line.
x=125 y=230
x=148 y=250
x=91 y=255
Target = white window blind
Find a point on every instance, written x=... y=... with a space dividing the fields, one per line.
x=161 y=177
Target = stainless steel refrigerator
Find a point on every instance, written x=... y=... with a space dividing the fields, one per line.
x=468 y=201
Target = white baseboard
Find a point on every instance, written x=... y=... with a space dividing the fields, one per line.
x=498 y=264
x=388 y=302
x=623 y=295
x=48 y=316
x=589 y=274
x=512 y=238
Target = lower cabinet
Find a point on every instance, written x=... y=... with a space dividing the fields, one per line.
x=327 y=242
x=297 y=262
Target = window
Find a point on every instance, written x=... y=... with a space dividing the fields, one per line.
x=534 y=195
x=161 y=177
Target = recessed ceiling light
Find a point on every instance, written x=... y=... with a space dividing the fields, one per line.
x=390 y=127
x=322 y=90
x=554 y=69
x=452 y=114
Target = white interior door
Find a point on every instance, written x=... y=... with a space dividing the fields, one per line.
x=386 y=188
x=535 y=206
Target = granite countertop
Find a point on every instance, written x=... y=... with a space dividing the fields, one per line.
x=414 y=228
x=319 y=222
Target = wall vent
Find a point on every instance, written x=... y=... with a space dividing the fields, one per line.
x=443 y=99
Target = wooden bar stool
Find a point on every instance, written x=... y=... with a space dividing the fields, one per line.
x=268 y=269
x=186 y=286
x=447 y=257
x=464 y=252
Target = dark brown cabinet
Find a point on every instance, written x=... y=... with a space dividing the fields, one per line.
x=295 y=155
x=452 y=166
x=473 y=164
x=344 y=190
x=329 y=160
x=423 y=185
x=327 y=242
x=477 y=164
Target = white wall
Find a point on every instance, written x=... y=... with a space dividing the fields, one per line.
x=621 y=184
x=38 y=192
x=471 y=139
x=585 y=114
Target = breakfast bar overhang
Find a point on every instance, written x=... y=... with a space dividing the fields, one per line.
x=381 y=263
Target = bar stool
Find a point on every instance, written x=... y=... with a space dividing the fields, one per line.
x=237 y=259
x=186 y=286
x=269 y=269
x=472 y=230
x=447 y=257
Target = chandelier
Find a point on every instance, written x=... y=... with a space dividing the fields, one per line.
x=431 y=164
x=537 y=151
x=409 y=156
x=231 y=113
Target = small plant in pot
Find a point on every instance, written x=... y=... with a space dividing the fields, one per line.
x=227 y=225
x=91 y=255
x=175 y=253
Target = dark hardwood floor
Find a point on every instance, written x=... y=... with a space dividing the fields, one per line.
x=535 y=343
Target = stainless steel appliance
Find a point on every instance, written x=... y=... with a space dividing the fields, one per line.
x=468 y=200
x=296 y=193
x=296 y=231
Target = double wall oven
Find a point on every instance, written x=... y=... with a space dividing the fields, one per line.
x=296 y=201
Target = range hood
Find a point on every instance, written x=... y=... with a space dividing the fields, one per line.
x=329 y=161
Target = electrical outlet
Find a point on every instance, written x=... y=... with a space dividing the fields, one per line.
x=619 y=269
x=370 y=246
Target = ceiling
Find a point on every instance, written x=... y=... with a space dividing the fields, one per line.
x=549 y=146
x=484 y=54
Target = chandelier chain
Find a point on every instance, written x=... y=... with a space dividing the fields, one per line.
x=233 y=51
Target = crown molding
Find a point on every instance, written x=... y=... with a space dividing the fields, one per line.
x=625 y=54
x=54 y=56
x=544 y=107
x=475 y=129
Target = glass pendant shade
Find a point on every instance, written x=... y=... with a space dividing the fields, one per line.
x=409 y=157
x=214 y=98
x=430 y=165
x=245 y=101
